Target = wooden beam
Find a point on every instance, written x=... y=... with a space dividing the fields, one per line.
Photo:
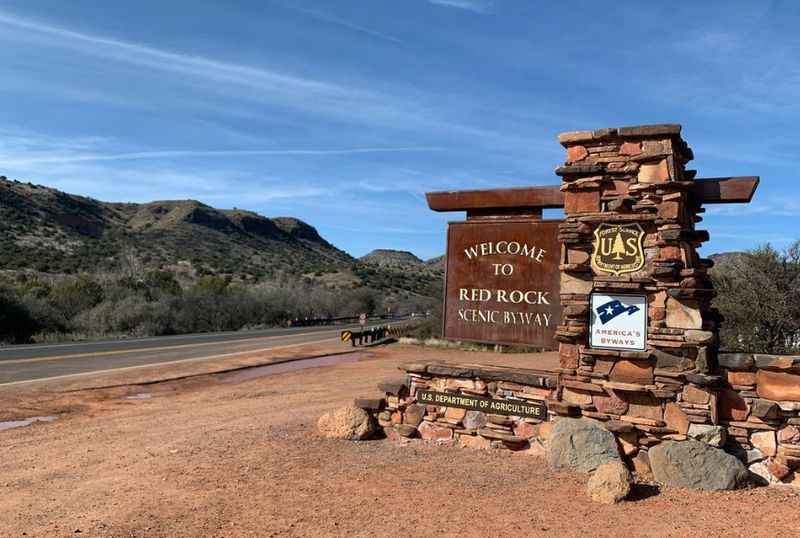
x=716 y=190
x=726 y=190
x=526 y=197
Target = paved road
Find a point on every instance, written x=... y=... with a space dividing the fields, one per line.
x=31 y=362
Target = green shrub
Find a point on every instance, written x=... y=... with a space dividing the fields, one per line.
x=759 y=298
x=16 y=323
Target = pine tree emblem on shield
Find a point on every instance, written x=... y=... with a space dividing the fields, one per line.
x=618 y=248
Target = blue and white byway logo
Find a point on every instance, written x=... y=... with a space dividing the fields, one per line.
x=618 y=322
x=608 y=311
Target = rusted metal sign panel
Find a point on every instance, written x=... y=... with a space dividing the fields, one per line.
x=502 y=282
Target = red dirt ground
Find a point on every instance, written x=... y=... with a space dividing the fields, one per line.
x=204 y=457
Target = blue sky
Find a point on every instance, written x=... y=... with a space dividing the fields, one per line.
x=344 y=113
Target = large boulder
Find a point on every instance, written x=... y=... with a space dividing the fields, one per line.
x=695 y=465
x=580 y=444
x=610 y=483
x=351 y=423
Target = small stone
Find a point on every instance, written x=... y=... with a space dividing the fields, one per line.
x=764 y=409
x=776 y=362
x=792 y=480
x=500 y=436
x=500 y=420
x=761 y=475
x=576 y=153
x=669 y=129
x=535 y=449
x=626 y=371
x=545 y=430
x=474 y=441
x=675 y=418
x=778 y=385
x=695 y=395
x=455 y=413
x=699 y=337
x=575 y=136
x=708 y=434
x=704 y=360
x=405 y=430
x=753 y=455
x=526 y=429
x=618 y=426
x=576 y=284
x=610 y=403
x=641 y=463
x=732 y=406
x=765 y=442
x=414 y=415
x=736 y=361
x=581 y=202
x=668 y=361
x=610 y=483
x=628 y=442
x=431 y=432
x=568 y=355
x=644 y=406
x=683 y=315
x=350 y=423
x=778 y=468
x=575 y=397
x=654 y=172
x=456 y=384
x=740 y=378
x=474 y=420
x=703 y=380
x=789 y=434
x=630 y=148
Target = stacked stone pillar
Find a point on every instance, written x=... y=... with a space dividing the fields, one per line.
x=636 y=175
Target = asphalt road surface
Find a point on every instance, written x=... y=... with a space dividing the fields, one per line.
x=43 y=361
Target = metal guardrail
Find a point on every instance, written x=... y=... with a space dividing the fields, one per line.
x=369 y=335
x=309 y=322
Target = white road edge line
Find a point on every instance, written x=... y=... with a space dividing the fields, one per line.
x=165 y=349
x=150 y=365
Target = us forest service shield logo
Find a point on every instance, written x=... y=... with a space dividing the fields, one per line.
x=618 y=248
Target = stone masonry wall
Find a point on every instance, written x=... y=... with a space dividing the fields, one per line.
x=752 y=411
x=400 y=414
x=759 y=407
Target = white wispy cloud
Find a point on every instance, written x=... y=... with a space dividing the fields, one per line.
x=477 y=6
x=767 y=206
x=406 y=109
x=339 y=21
x=8 y=160
x=734 y=67
x=164 y=60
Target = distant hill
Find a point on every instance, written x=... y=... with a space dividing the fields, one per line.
x=391 y=258
x=438 y=261
x=43 y=229
x=48 y=230
x=723 y=258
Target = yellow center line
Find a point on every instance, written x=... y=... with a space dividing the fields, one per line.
x=149 y=349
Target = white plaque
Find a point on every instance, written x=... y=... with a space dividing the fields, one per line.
x=618 y=322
